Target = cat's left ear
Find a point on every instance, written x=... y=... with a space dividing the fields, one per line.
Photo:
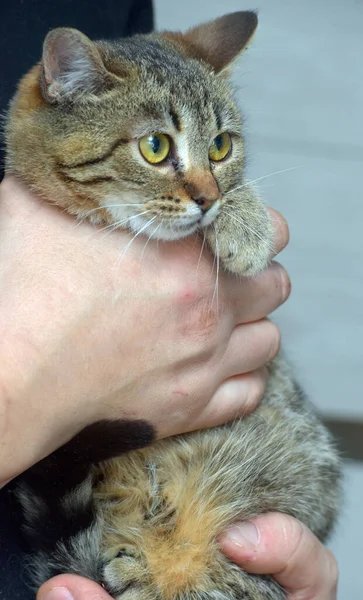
x=218 y=42
x=72 y=66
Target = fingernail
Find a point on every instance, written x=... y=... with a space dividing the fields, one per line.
x=58 y=593
x=243 y=534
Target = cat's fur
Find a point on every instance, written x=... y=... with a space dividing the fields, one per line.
x=145 y=524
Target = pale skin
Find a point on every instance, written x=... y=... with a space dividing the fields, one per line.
x=89 y=333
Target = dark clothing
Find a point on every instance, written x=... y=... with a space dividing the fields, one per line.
x=25 y=23
x=23 y=26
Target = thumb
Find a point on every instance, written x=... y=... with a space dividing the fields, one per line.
x=71 y=587
x=279 y=545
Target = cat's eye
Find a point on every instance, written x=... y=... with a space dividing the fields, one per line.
x=155 y=148
x=221 y=147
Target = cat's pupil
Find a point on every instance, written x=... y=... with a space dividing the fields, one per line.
x=154 y=143
x=218 y=142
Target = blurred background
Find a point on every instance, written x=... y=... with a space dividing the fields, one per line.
x=300 y=86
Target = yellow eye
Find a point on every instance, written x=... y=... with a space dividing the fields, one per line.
x=155 y=147
x=220 y=147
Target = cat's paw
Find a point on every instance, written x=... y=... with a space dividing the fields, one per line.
x=242 y=236
x=239 y=257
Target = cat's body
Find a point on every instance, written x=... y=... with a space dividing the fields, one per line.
x=102 y=130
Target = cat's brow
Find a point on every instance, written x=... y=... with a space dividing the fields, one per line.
x=175 y=119
x=94 y=161
x=218 y=118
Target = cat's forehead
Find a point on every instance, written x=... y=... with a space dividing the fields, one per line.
x=155 y=55
x=166 y=83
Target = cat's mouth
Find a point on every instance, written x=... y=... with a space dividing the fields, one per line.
x=173 y=228
x=204 y=219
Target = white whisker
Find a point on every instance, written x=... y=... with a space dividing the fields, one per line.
x=216 y=286
x=135 y=236
x=111 y=206
x=149 y=238
x=117 y=224
x=245 y=225
x=200 y=255
x=243 y=185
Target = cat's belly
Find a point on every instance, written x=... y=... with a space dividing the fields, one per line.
x=165 y=505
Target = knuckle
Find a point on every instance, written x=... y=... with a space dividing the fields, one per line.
x=283 y=233
x=283 y=282
x=333 y=569
x=199 y=320
x=274 y=341
x=255 y=391
x=292 y=541
x=207 y=321
x=294 y=533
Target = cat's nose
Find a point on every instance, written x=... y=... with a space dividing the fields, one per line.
x=204 y=203
x=204 y=192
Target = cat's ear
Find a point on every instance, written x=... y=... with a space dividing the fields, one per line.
x=219 y=42
x=72 y=66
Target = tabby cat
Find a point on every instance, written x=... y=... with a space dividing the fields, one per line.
x=144 y=133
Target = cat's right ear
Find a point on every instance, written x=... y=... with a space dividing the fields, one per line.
x=72 y=66
x=218 y=42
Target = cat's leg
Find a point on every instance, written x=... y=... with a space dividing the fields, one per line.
x=60 y=522
x=241 y=237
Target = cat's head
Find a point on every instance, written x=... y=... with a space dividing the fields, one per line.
x=142 y=132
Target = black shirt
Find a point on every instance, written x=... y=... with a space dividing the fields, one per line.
x=23 y=26
x=25 y=23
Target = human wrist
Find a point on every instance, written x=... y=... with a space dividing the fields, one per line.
x=32 y=420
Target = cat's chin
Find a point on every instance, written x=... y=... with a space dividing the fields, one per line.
x=164 y=231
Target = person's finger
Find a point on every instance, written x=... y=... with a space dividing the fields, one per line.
x=260 y=296
x=281 y=231
x=237 y=396
x=71 y=587
x=279 y=545
x=250 y=347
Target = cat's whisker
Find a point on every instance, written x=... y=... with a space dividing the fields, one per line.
x=129 y=218
x=247 y=183
x=157 y=240
x=135 y=236
x=102 y=206
x=276 y=173
x=149 y=238
x=216 y=286
x=246 y=226
x=85 y=216
x=200 y=255
x=118 y=224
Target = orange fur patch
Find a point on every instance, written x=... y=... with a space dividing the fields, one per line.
x=29 y=95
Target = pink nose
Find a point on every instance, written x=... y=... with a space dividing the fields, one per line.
x=204 y=203
x=204 y=192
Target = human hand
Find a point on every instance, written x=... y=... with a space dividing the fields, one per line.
x=90 y=333
x=278 y=545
